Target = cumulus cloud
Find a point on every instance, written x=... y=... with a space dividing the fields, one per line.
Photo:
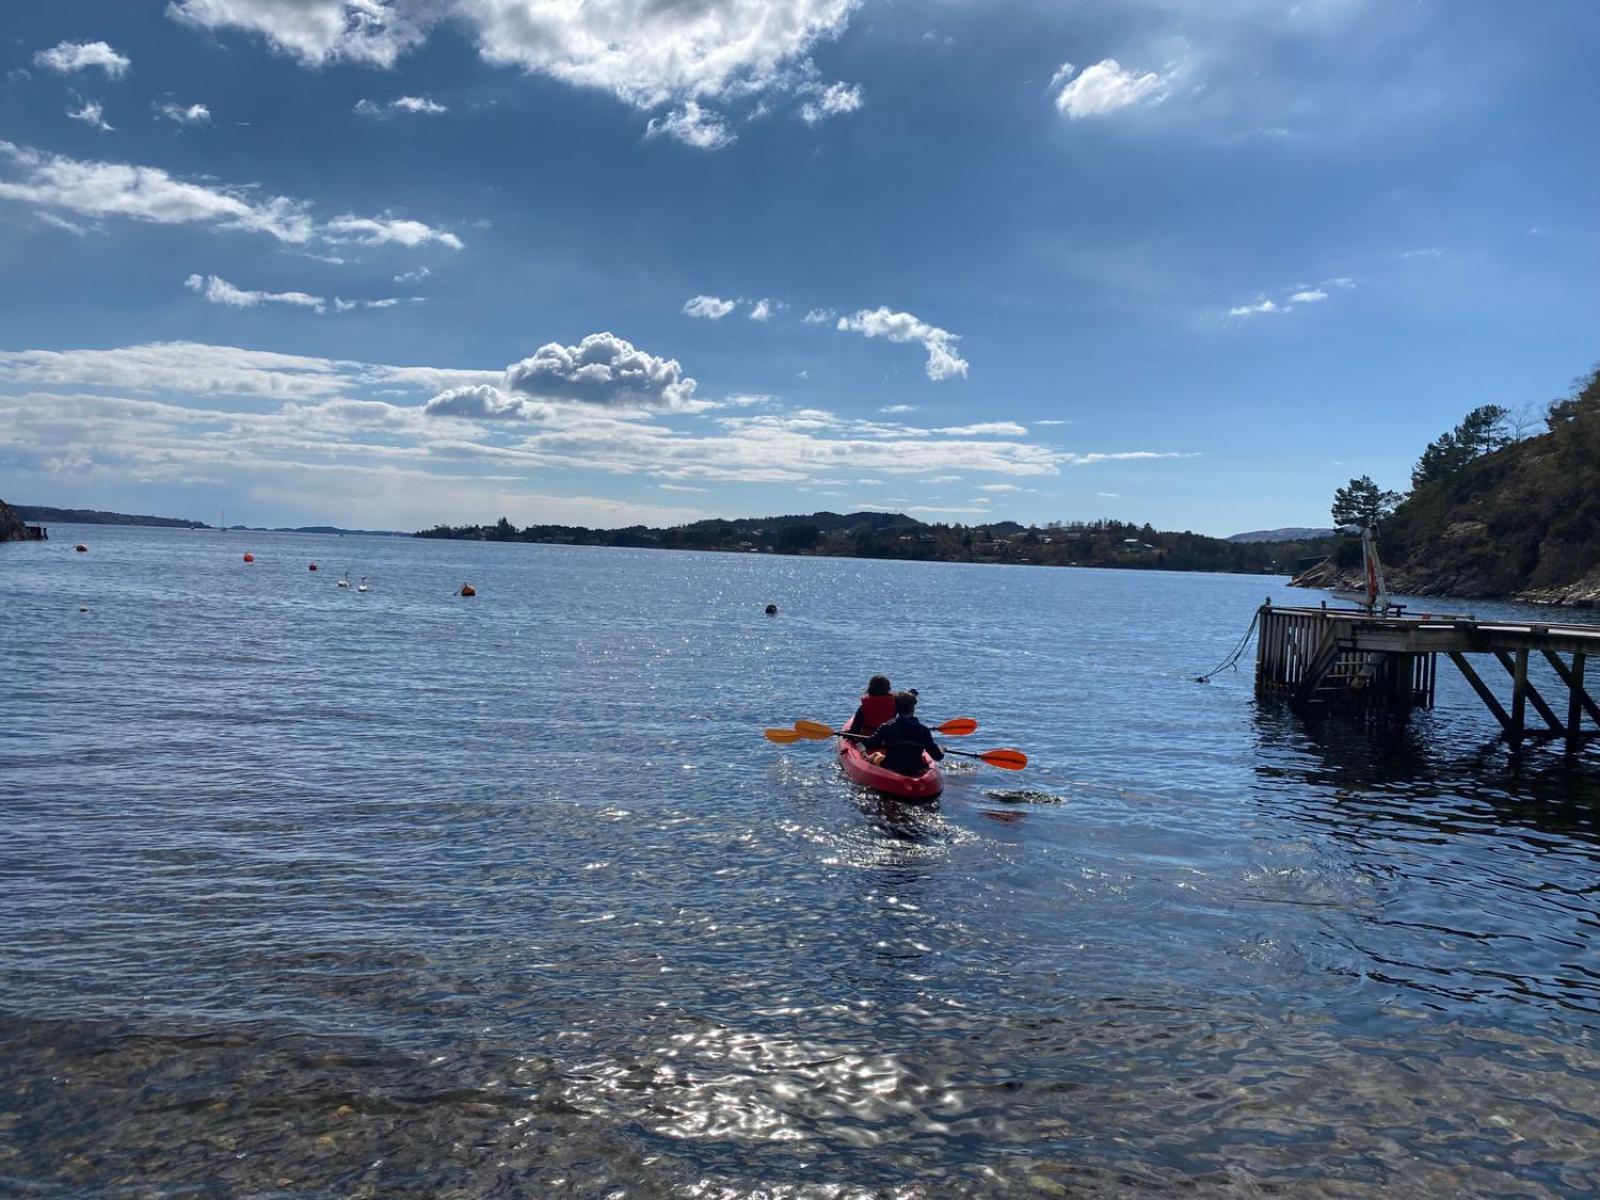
x=943 y=361
x=603 y=369
x=92 y=114
x=181 y=114
x=68 y=57
x=220 y=291
x=1105 y=87
x=417 y=105
x=103 y=189
x=693 y=126
x=483 y=403
x=831 y=101
x=710 y=308
x=763 y=309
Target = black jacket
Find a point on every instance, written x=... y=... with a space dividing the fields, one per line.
x=902 y=741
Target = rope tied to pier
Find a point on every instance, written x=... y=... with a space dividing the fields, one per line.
x=1231 y=663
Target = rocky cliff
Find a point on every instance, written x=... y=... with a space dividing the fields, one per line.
x=11 y=527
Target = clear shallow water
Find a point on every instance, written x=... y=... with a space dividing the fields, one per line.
x=305 y=892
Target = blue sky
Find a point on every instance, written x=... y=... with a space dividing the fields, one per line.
x=383 y=263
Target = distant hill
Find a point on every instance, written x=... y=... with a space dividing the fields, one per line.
x=1291 y=534
x=898 y=536
x=93 y=516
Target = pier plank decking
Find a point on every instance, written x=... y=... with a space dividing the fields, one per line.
x=1388 y=664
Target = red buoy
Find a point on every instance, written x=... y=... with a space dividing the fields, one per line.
x=248 y=557
x=313 y=566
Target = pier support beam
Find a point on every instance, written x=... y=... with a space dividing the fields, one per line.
x=1481 y=688
x=1576 y=696
x=1534 y=698
x=1519 y=699
x=1574 y=680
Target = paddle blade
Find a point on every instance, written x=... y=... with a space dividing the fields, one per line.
x=783 y=737
x=814 y=730
x=958 y=727
x=1007 y=760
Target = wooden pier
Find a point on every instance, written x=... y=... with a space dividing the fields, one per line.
x=1355 y=659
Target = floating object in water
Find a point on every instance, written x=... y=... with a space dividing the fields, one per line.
x=313 y=567
x=362 y=586
x=248 y=557
x=861 y=769
x=81 y=548
x=344 y=583
x=467 y=590
x=83 y=608
x=772 y=610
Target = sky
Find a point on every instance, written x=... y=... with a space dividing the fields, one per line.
x=390 y=263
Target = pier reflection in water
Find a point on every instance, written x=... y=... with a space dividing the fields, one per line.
x=390 y=895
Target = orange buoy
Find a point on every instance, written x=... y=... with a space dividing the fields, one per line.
x=313 y=566
x=248 y=557
x=468 y=590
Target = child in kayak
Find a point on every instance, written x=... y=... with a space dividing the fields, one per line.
x=904 y=739
x=876 y=707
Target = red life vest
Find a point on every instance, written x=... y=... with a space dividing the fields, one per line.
x=875 y=710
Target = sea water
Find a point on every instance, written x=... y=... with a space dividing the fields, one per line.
x=309 y=892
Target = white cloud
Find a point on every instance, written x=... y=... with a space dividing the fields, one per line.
x=693 y=126
x=999 y=487
x=191 y=114
x=711 y=308
x=986 y=429
x=1051 y=421
x=375 y=231
x=92 y=114
x=1434 y=251
x=342 y=305
x=763 y=309
x=603 y=369
x=818 y=316
x=417 y=105
x=67 y=57
x=1308 y=297
x=416 y=276
x=644 y=52
x=220 y=291
x=102 y=189
x=1110 y=495
x=1089 y=460
x=943 y=361
x=679 y=487
x=1104 y=88
x=316 y=32
x=893 y=409
x=62 y=223
x=1251 y=310
x=832 y=101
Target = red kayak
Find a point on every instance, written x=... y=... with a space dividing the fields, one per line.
x=861 y=769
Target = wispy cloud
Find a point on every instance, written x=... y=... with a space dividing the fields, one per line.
x=108 y=189
x=414 y=105
x=183 y=114
x=693 y=126
x=709 y=308
x=92 y=114
x=831 y=101
x=220 y=291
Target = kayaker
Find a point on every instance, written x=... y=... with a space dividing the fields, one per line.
x=904 y=739
x=876 y=707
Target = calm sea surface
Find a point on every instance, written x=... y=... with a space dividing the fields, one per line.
x=306 y=892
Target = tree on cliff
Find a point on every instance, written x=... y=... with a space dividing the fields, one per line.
x=1362 y=503
x=1482 y=431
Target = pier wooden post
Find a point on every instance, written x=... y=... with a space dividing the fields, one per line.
x=1574 y=680
x=1575 y=704
x=1534 y=697
x=1519 y=698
